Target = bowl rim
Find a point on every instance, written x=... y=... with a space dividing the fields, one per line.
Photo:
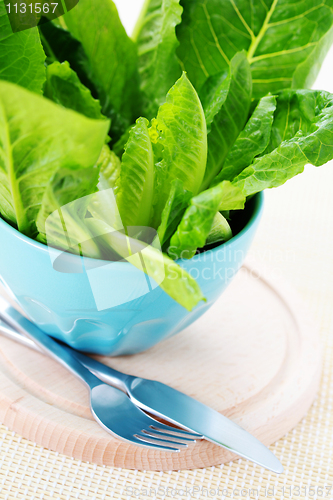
x=257 y=212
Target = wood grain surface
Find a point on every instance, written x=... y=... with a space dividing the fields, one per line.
x=255 y=357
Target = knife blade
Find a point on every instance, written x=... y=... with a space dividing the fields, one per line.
x=174 y=406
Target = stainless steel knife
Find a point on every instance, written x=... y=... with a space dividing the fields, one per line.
x=165 y=402
x=173 y=406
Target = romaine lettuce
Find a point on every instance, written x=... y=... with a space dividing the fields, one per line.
x=39 y=139
x=155 y=36
x=64 y=87
x=197 y=222
x=285 y=41
x=21 y=55
x=303 y=134
x=181 y=134
x=226 y=102
x=251 y=142
x=112 y=59
x=135 y=186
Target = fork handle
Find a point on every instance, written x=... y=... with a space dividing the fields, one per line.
x=60 y=353
x=7 y=331
x=105 y=373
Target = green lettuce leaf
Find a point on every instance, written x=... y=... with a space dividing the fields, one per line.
x=198 y=219
x=303 y=134
x=172 y=278
x=64 y=87
x=60 y=221
x=112 y=59
x=21 y=55
x=103 y=207
x=181 y=132
x=119 y=146
x=173 y=211
x=32 y=151
x=135 y=186
x=220 y=231
x=156 y=40
x=232 y=199
x=296 y=110
x=226 y=102
x=109 y=166
x=286 y=41
x=59 y=45
x=251 y=142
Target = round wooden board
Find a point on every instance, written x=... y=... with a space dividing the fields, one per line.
x=255 y=357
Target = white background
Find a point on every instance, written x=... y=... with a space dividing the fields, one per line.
x=129 y=12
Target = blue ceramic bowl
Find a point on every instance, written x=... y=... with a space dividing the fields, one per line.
x=64 y=304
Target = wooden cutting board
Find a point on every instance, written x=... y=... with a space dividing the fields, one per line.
x=255 y=357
